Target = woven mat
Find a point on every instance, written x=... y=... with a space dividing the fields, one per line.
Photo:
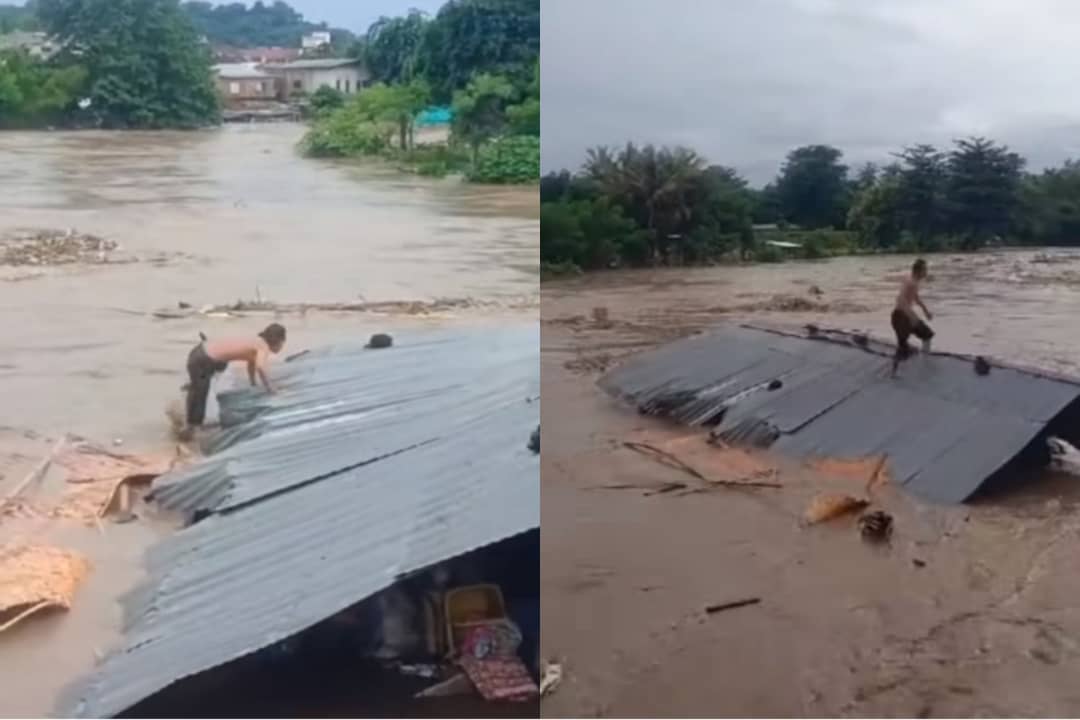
x=37 y=577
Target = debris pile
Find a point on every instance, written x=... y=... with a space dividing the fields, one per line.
x=54 y=247
x=799 y=304
x=385 y=307
x=35 y=578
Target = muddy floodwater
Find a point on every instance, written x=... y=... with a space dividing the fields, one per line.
x=970 y=611
x=208 y=218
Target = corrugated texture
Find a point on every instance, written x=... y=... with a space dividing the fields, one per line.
x=944 y=428
x=239 y=581
x=351 y=406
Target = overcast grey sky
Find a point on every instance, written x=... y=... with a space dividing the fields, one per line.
x=744 y=81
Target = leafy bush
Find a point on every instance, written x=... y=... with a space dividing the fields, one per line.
x=435 y=160
x=589 y=234
x=339 y=136
x=514 y=159
x=326 y=99
x=815 y=246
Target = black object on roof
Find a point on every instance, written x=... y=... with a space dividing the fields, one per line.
x=944 y=429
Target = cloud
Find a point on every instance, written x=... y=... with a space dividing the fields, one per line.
x=745 y=81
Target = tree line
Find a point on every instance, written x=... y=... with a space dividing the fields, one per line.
x=648 y=205
x=275 y=24
x=478 y=57
x=123 y=64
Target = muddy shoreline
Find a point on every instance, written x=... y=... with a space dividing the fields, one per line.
x=967 y=613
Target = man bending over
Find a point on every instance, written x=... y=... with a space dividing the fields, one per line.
x=211 y=357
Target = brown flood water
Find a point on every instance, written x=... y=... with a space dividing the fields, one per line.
x=226 y=214
x=970 y=612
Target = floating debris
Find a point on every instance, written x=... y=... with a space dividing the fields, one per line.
x=826 y=507
x=54 y=247
x=876 y=526
x=35 y=578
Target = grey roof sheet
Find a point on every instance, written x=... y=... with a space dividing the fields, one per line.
x=944 y=428
x=314 y=64
x=241 y=580
x=349 y=406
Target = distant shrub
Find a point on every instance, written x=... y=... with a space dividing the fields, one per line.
x=514 y=159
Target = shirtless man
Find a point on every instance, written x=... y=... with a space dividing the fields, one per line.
x=211 y=357
x=904 y=320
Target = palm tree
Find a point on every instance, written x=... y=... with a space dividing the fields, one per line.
x=655 y=186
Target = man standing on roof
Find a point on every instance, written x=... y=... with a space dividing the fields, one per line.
x=211 y=357
x=905 y=322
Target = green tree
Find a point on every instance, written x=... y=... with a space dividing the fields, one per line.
x=392 y=46
x=472 y=37
x=923 y=175
x=396 y=104
x=865 y=177
x=813 y=187
x=589 y=233
x=33 y=93
x=145 y=65
x=524 y=118
x=480 y=110
x=263 y=24
x=1050 y=206
x=982 y=194
x=875 y=214
x=656 y=187
x=326 y=99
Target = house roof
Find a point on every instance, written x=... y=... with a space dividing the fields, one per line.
x=250 y=575
x=240 y=71
x=944 y=429
x=316 y=64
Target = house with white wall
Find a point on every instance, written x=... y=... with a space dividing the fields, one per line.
x=304 y=77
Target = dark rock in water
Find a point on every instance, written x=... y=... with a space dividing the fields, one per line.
x=812 y=330
x=860 y=340
x=776 y=384
x=982 y=367
x=380 y=340
x=183 y=305
x=534 y=440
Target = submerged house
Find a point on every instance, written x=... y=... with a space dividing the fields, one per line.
x=301 y=78
x=242 y=83
x=328 y=528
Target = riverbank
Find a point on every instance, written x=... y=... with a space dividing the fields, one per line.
x=967 y=613
x=212 y=218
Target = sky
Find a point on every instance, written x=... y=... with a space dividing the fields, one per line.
x=745 y=81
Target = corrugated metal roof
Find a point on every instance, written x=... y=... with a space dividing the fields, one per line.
x=241 y=580
x=240 y=71
x=315 y=64
x=944 y=428
x=348 y=407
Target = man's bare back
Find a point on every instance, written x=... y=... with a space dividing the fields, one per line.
x=212 y=356
x=908 y=297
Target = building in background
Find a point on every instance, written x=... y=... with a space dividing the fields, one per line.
x=262 y=55
x=303 y=77
x=315 y=41
x=36 y=44
x=243 y=83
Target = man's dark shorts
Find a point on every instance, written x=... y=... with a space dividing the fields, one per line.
x=905 y=326
x=201 y=370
